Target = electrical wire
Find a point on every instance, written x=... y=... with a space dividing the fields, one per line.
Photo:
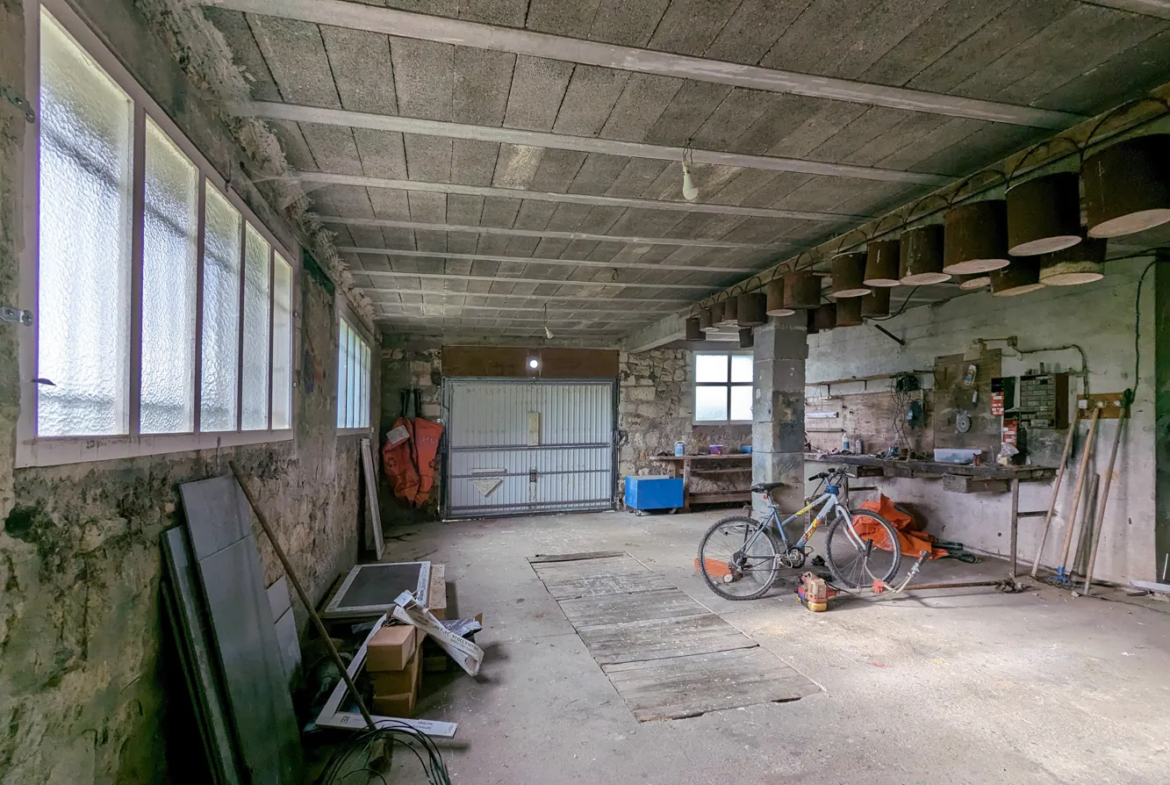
x=1137 y=320
x=900 y=310
x=402 y=736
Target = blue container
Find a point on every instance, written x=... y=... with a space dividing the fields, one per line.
x=654 y=493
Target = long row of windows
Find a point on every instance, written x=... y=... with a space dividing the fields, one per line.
x=163 y=307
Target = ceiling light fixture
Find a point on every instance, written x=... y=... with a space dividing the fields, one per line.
x=689 y=191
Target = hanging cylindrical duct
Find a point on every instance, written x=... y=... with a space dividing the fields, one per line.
x=718 y=315
x=775 y=295
x=811 y=321
x=1083 y=263
x=974 y=281
x=751 y=309
x=706 y=319
x=975 y=238
x=876 y=303
x=746 y=340
x=1127 y=186
x=1044 y=214
x=920 y=256
x=802 y=290
x=1022 y=276
x=825 y=316
x=848 y=272
x=730 y=314
x=694 y=331
x=881 y=263
x=849 y=311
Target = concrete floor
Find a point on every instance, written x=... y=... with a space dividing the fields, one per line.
x=952 y=687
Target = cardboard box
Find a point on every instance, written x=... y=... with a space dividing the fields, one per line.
x=394 y=683
x=395 y=705
x=391 y=648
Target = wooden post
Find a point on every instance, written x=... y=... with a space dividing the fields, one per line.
x=292 y=578
x=1084 y=470
x=1015 y=521
x=1103 y=503
x=1068 y=440
x=686 y=478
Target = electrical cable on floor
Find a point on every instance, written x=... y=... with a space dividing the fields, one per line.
x=406 y=737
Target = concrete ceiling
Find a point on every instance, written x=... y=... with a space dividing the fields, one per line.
x=492 y=159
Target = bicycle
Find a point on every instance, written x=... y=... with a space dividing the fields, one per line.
x=740 y=557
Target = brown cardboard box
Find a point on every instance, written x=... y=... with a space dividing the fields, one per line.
x=395 y=683
x=395 y=705
x=391 y=648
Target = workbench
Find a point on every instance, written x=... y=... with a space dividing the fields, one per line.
x=687 y=466
x=957 y=478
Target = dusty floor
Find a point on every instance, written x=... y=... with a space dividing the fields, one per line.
x=946 y=687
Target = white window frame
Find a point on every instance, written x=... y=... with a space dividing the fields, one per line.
x=347 y=317
x=728 y=384
x=34 y=450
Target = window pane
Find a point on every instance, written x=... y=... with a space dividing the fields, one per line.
x=351 y=389
x=281 y=343
x=83 y=304
x=255 y=388
x=710 y=367
x=342 y=371
x=710 y=403
x=221 y=313
x=741 y=367
x=169 y=278
x=741 y=403
x=366 y=389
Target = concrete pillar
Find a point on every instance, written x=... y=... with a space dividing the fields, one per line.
x=1161 y=378
x=781 y=348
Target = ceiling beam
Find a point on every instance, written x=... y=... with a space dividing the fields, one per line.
x=564 y=310
x=691 y=268
x=1159 y=9
x=331 y=178
x=421 y=226
x=523 y=42
x=541 y=297
x=534 y=330
x=271 y=110
x=541 y=281
x=562 y=322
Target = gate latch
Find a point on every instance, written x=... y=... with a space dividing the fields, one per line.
x=16 y=315
x=19 y=101
x=532 y=475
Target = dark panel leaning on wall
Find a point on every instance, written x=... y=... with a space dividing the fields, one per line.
x=513 y=362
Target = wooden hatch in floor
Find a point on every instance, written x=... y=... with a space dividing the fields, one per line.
x=666 y=655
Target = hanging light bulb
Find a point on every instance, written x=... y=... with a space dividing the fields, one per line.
x=690 y=191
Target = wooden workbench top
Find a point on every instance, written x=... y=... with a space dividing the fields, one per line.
x=681 y=458
x=939 y=468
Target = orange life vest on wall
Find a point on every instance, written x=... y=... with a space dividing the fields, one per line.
x=408 y=458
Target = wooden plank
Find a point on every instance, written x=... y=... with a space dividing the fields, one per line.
x=562 y=363
x=374 y=539
x=696 y=684
x=962 y=483
x=616 y=609
x=716 y=498
x=437 y=591
x=662 y=638
x=567 y=580
x=1110 y=404
x=547 y=558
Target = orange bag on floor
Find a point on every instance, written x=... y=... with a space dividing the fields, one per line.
x=911 y=539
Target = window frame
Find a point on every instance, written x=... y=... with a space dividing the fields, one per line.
x=730 y=385
x=35 y=450
x=364 y=352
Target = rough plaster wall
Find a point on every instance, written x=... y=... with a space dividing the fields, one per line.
x=407 y=364
x=1099 y=317
x=656 y=409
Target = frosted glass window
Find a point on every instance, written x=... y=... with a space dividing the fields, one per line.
x=342 y=372
x=221 y=313
x=723 y=387
x=353 y=375
x=352 y=388
x=169 y=278
x=83 y=299
x=710 y=403
x=257 y=259
x=282 y=333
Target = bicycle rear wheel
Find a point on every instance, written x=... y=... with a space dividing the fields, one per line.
x=736 y=566
x=848 y=559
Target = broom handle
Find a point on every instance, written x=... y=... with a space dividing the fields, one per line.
x=1068 y=440
x=1084 y=470
x=1104 y=502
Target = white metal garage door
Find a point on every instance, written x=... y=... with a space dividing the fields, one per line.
x=518 y=446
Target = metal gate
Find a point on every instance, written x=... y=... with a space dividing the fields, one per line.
x=520 y=446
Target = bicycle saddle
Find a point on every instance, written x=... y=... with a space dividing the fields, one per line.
x=764 y=487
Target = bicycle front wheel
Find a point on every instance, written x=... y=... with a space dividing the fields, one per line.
x=852 y=561
x=738 y=559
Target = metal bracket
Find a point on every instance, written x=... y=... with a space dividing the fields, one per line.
x=19 y=101
x=15 y=315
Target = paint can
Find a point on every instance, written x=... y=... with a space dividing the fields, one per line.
x=680 y=449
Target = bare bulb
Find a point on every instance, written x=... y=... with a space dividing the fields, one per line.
x=689 y=191
x=547 y=333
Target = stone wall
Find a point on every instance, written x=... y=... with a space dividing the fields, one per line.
x=90 y=691
x=656 y=407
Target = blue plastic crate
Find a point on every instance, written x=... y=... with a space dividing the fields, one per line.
x=654 y=493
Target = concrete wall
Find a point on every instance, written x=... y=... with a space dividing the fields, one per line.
x=90 y=691
x=1100 y=318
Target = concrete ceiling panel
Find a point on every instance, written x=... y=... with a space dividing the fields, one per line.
x=424 y=74
x=600 y=219
x=871 y=32
x=637 y=177
x=431 y=208
x=432 y=242
x=522 y=246
x=462 y=243
x=538 y=88
x=495 y=12
x=557 y=170
x=381 y=153
x=389 y=204
x=292 y=142
x=741 y=186
x=738 y=110
x=989 y=143
x=561 y=18
x=876 y=123
x=753 y=29
x=401 y=238
x=516 y=165
x=591 y=95
x=648 y=223
x=428 y=157
x=492 y=245
x=598 y=173
x=774 y=190
x=627 y=22
x=578 y=249
x=692 y=105
x=246 y=53
x=361 y=67
x=642 y=102
x=500 y=212
x=689 y=27
x=343 y=200
x=296 y=58
x=908 y=132
x=709 y=227
x=464 y=210
x=567 y=217
x=333 y=148
x=482 y=81
x=473 y=162
x=810 y=125
x=534 y=215
x=1135 y=72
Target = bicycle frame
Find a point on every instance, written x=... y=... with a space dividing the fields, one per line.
x=831 y=503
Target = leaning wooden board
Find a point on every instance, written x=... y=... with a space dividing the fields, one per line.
x=667 y=655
